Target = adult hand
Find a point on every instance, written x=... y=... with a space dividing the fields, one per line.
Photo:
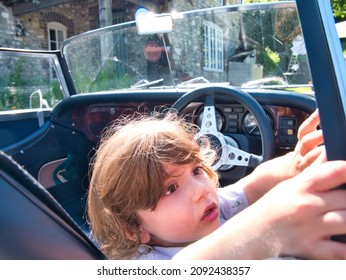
x=308 y=150
x=305 y=211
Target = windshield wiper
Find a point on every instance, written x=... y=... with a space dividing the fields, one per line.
x=195 y=80
x=145 y=83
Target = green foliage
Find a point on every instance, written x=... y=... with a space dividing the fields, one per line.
x=109 y=77
x=339 y=8
x=21 y=76
x=270 y=61
x=267 y=49
x=110 y=80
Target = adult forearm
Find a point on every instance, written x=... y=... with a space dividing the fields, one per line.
x=242 y=237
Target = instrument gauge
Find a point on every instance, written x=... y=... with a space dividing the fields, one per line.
x=250 y=124
x=220 y=120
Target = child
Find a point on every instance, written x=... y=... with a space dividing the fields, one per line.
x=154 y=195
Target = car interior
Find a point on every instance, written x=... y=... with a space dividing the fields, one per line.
x=45 y=156
x=64 y=146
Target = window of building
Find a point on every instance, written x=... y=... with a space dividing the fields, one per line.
x=120 y=42
x=213 y=47
x=56 y=35
x=118 y=16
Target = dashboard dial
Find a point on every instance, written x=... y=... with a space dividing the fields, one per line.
x=251 y=126
x=220 y=120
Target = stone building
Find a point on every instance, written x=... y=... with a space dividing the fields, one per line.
x=44 y=24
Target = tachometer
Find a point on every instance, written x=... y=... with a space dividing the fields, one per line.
x=220 y=120
x=251 y=126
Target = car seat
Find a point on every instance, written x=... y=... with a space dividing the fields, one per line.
x=34 y=226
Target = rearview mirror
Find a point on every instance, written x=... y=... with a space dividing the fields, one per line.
x=150 y=23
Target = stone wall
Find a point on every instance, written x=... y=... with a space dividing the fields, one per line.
x=10 y=35
x=30 y=30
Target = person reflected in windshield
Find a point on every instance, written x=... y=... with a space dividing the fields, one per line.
x=288 y=33
x=157 y=63
x=154 y=195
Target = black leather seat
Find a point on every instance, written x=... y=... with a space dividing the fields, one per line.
x=33 y=223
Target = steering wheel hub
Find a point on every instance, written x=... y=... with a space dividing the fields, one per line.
x=229 y=154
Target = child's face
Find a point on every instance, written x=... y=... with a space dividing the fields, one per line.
x=188 y=211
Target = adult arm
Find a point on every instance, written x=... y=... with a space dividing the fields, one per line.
x=296 y=218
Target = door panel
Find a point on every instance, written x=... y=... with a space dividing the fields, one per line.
x=15 y=127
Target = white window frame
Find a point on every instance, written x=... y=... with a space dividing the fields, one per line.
x=57 y=27
x=213 y=47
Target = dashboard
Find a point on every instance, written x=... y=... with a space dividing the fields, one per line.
x=88 y=115
x=232 y=119
x=236 y=119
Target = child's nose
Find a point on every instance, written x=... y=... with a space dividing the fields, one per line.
x=200 y=191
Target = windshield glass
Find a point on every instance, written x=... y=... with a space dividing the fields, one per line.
x=255 y=45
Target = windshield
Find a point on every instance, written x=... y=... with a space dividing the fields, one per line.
x=255 y=45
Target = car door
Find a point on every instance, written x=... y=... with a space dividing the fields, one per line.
x=31 y=84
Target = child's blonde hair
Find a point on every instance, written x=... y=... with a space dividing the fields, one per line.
x=127 y=175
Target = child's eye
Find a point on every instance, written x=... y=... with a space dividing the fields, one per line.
x=171 y=189
x=197 y=170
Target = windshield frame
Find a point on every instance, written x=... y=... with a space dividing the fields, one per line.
x=328 y=72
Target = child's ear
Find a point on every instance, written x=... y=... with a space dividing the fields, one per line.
x=145 y=235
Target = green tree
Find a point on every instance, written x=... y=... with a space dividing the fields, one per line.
x=339 y=8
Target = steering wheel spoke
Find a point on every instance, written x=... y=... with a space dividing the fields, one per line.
x=208 y=120
x=237 y=157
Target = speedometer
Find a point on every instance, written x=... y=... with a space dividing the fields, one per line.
x=251 y=125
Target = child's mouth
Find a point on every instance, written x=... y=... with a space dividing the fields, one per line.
x=211 y=213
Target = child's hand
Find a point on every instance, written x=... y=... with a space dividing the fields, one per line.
x=308 y=150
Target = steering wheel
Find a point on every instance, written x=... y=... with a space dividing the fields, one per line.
x=228 y=150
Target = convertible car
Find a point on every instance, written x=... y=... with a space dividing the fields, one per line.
x=248 y=75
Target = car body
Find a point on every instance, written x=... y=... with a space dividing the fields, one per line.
x=249 y=61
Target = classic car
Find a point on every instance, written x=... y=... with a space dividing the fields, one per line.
x=259 y=70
